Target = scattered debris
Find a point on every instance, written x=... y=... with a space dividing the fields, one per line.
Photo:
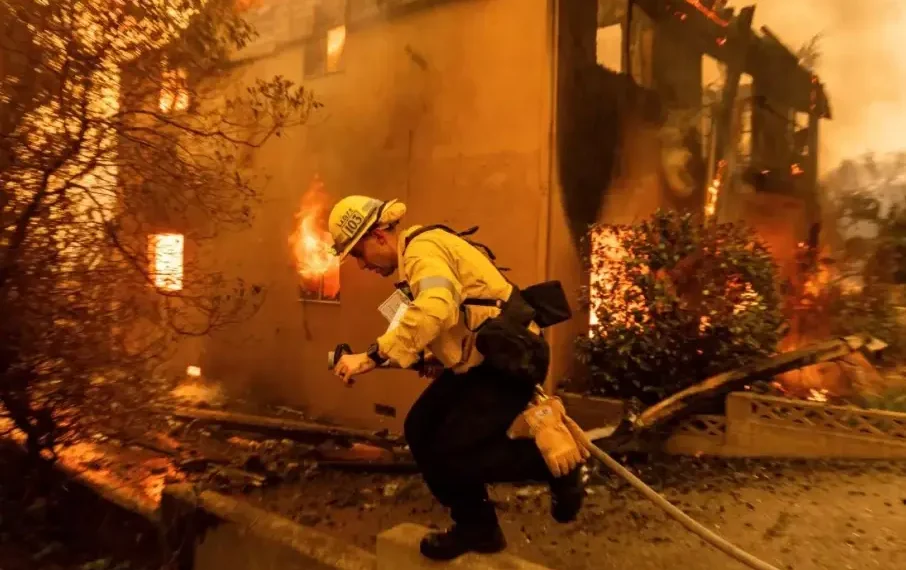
x=669 y=409
x=282 y=426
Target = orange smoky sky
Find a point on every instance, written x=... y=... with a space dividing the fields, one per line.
x=863 y=67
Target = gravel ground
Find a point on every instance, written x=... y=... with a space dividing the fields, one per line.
x=806 y=516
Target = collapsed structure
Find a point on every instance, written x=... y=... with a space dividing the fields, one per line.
x=529 y=118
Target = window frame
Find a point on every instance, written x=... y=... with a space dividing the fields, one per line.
x=316 y=57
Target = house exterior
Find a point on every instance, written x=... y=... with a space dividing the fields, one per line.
x=513 y=115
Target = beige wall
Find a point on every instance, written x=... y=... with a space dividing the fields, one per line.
x=447 y=108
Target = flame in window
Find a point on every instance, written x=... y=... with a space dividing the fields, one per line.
x=336 y=41
x=316 y=264
x=167 y=261
x=174 y=90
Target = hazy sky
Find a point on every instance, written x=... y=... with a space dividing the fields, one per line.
x=863 y=67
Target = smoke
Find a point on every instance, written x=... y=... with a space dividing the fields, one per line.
x=863 y=67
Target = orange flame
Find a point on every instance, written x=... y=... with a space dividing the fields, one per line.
x=312 y=245
x=608 y=282
x=708 y=13
x=714 y=191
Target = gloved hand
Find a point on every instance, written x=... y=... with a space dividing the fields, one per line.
x=545 y=422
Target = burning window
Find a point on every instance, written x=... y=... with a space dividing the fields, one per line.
x=174 y=89
x=318 y=268
x=324 y=54
x=166 y=255
x=325 y=50
x=336 y=42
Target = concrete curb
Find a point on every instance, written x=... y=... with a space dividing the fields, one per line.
x=205 y=530
x=209 y=531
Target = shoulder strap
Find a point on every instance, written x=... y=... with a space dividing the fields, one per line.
x=471 y=301
x=463 y=234
x=424 y=229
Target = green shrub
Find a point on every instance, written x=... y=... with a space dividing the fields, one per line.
x=673 y=301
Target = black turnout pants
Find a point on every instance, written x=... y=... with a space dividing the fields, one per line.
x=456 y=431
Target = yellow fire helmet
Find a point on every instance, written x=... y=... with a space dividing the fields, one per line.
x=354 y=216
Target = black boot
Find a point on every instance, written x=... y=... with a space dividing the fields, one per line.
x=567 y=494
x=460 y=539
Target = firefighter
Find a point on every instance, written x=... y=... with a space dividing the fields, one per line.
x=457 y=428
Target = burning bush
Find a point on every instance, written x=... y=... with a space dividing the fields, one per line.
x=673 y=301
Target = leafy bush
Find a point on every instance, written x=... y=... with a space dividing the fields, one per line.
x=673 y=301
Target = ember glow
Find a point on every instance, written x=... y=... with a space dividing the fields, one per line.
x=818 y=395
x=608 y=283
x=312 y=245
x=167 y=261
x=714 y=191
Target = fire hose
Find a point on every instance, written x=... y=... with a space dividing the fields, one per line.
x=582 y=439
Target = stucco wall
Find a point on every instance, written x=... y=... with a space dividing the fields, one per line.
x=446 y=108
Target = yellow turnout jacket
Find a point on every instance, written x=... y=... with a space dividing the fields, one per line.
x=442 y=269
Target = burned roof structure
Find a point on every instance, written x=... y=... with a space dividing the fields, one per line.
x=759 y=128
x=726 y=34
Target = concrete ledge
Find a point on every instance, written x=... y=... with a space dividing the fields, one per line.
x=765 y=426
x=397 y=549
x=209 y=531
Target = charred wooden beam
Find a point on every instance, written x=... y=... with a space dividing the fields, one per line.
x=725 y=144
x=682 y=402
x=283 y=427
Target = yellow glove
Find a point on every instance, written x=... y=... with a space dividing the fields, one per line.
x=545 y=423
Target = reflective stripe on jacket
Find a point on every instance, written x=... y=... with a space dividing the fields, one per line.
x=442 y=269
